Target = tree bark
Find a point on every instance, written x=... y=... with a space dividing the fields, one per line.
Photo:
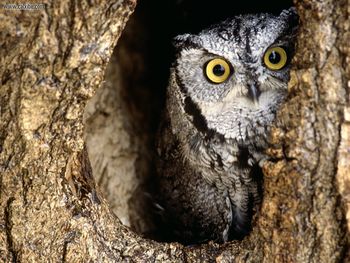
x=52 y=63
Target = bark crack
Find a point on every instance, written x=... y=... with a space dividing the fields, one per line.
x=8 y=229
x=69 y=239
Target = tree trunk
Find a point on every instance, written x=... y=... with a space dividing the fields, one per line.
x=54 y=60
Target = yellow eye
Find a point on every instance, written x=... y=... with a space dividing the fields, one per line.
x=275 y=58
x=217 y=70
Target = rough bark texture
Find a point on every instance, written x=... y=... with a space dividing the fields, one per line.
x=52 y=63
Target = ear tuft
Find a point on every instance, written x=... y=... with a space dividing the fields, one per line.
x=288 y=12
x=187 y=41
x=291 y=16
x=180 y=40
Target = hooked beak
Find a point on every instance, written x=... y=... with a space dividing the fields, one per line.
x=254 y=93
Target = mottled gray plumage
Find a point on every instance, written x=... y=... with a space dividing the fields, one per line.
x=212 y=136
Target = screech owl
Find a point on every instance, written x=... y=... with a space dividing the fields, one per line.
x=225 y=87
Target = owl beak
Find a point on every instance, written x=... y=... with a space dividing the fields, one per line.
x=254 y=93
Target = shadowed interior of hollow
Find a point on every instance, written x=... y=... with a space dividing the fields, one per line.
x=122 y=118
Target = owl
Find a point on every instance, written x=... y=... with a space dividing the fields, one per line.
x=226 y=84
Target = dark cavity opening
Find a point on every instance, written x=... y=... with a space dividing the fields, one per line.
x=123 y=117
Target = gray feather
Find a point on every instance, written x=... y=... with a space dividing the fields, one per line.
x=213 y=136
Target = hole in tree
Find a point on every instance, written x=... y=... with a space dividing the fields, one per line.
x=123 y=117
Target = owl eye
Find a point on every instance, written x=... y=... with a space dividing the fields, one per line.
x=217 y=70
x=275 y=58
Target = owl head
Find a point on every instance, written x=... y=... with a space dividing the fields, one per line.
x=235 y=73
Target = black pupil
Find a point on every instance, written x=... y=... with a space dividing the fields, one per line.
x=218 y=70
x=274 y=57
